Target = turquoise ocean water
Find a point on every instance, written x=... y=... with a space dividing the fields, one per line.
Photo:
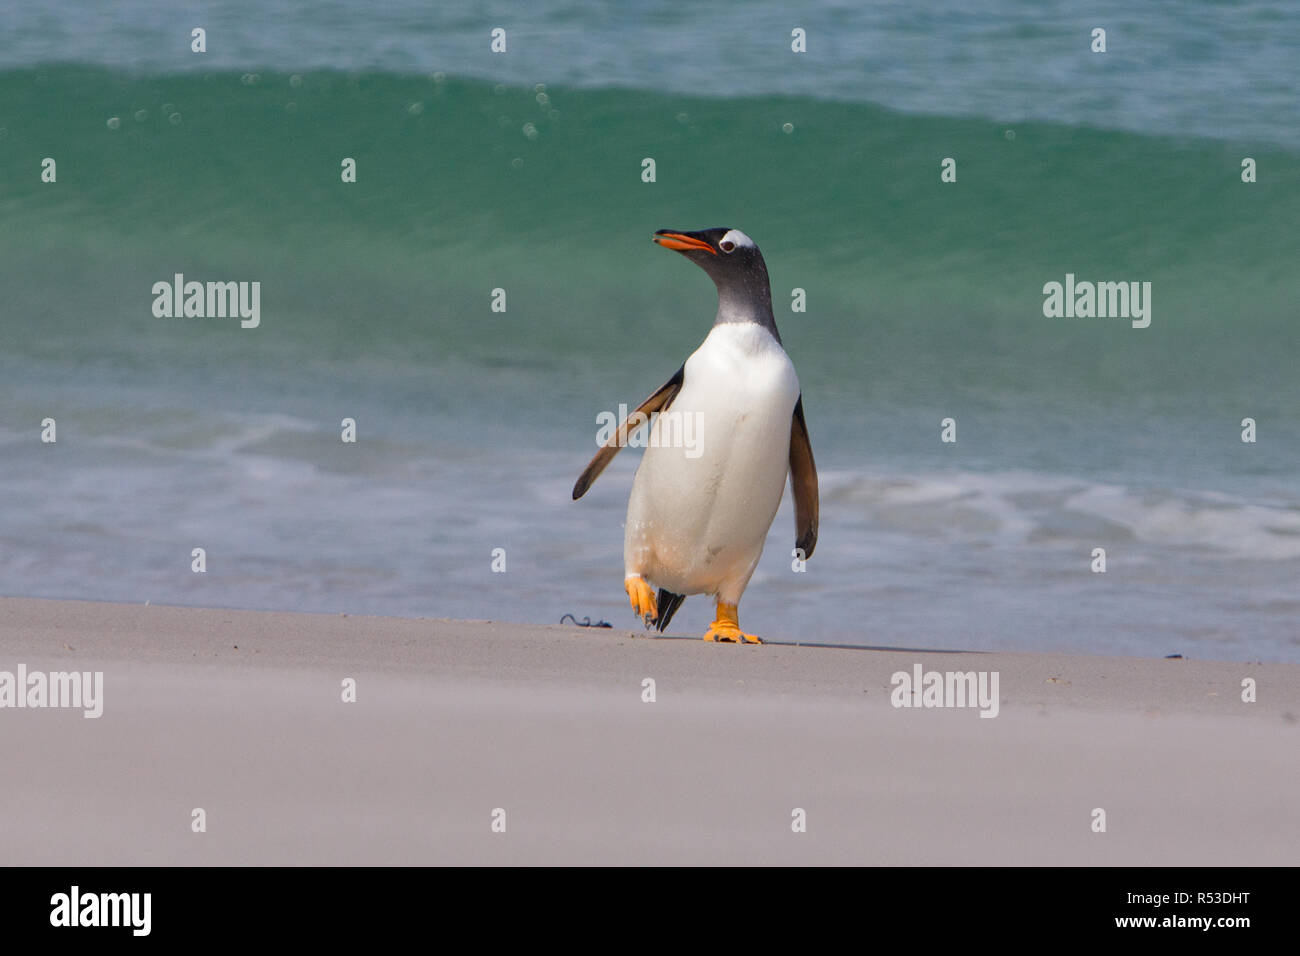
x=522 y=171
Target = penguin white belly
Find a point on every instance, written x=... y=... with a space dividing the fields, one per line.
x=714 y=469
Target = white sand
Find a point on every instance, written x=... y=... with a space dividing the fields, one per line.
x=239 y=713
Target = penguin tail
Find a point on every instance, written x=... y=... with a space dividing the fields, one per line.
x=668 y=604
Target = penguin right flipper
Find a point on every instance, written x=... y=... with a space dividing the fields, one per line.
x=657 y=402
x=803 y=481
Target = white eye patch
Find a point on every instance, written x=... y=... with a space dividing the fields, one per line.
x=734 y=239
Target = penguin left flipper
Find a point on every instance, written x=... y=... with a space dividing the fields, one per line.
x=803 y=482
x=657 y=402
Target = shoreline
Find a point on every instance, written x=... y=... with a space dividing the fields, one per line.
x=241 y=713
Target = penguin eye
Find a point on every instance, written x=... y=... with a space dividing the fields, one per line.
x=726 y=245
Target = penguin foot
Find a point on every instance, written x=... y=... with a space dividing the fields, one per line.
x=642 y=597
x=726 y=629
x=723 y=633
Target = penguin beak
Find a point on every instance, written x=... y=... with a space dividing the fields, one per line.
x=681 y=242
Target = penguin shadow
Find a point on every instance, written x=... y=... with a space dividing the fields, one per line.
x=779 y=643
x=873 y=647
x=588 y=622
x=833 y=647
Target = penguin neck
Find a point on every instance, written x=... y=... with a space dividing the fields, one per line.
x=746 y=299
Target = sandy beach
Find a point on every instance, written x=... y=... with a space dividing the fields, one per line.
x=241 y=713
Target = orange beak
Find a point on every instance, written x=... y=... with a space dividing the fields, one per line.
x=681 y=243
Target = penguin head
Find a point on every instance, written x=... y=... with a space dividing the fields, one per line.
x=727 y=255
x=736 y=267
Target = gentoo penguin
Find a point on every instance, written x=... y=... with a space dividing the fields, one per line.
x=729 y=428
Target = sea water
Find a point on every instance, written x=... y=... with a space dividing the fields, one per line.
x=523 y=172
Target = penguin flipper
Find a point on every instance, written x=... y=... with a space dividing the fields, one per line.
x=803 y=481
x=655 y=403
